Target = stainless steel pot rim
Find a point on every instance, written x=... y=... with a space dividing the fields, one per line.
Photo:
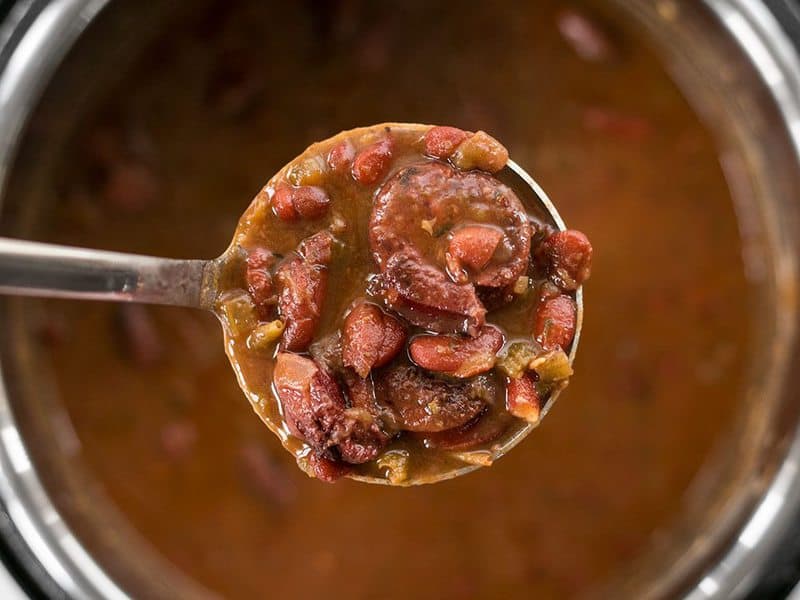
x=31 y=61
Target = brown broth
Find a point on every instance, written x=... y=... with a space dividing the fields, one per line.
x=656 y=377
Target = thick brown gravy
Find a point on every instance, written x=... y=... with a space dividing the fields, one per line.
x=225 y=100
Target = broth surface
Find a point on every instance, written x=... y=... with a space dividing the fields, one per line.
x=216 y=107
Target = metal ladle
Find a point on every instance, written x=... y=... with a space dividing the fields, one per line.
x=53 y=271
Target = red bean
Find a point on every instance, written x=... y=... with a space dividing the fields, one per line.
x=567 y=258
x=617 y=125
x=259 y=277
x=555 y=323
x=458 y=356
x=472 y=246
x=327 y=470
x=341 y=156
x=441 y=142
x=303 y=283
x=282 y=204
x=131 y=186
x=424 y=403
x=302 y=202
x=372 y=163
x=140 y=335
x=588 y=39
x=522 y=399
x=370 y=338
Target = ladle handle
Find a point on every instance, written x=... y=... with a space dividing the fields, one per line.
x=51 y=271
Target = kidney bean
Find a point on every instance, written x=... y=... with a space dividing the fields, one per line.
x=258 y=275
x=567 y=258
x=341 y=156
x=486 y=427
x=178 y=439
x=458 y=356
x=522 y=399
x=265 y=475
x=472 y=246
x=140 y=337
x=302 y=202
x=441 y=142
x=426 y=297
x=372 y=163
x=318 y=248
x=370 y=338
x=438 y=193
x=586 y=36
x=315 y=411
x=480 y=151
x=555 y=323
x=327 y=470
x=424 y=403
x=616 y=125
x=131 y=186
x=302 y=285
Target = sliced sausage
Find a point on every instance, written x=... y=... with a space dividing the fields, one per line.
x=455 y=355
x=370 y=338
x=424 y=295
x=555 y=322
x=485 y=428
x=436 y=193
x=316 y=411
x=425 y=403
x=302 y=283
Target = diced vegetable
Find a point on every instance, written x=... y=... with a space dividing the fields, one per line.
x=264 y=334
x=516 y=359
x=553 y=366
x=239 y=313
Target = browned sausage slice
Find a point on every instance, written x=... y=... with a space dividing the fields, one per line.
x=458 y=356
x=424 y=403
x=485 y=428
x=424 y=296
x=445 y=198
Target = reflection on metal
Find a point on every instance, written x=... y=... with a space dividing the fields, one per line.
x=29 y=67
x=761 y=38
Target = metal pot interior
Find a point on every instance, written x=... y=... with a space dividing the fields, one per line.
x=68 y=423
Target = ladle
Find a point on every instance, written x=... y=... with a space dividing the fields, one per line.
x=52 y=271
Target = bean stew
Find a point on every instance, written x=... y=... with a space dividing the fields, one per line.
x=152 y=455
x=393 y=311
